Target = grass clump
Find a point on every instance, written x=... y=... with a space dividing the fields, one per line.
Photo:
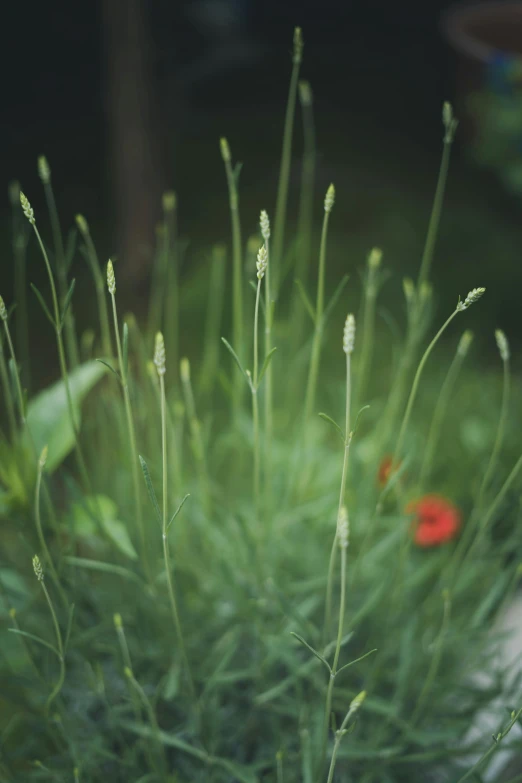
x=320 y=602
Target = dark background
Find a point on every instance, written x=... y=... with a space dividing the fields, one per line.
x=379 y=70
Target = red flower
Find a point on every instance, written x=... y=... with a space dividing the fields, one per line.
x=437 y=520
x=385 y=470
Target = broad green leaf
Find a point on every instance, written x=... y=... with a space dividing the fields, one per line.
x=48 y=415
x=101 y=509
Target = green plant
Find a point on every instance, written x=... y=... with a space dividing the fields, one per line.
x=202 y=645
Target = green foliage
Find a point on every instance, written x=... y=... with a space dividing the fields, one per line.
x=218 y=644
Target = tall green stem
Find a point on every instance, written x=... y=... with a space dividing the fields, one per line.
x=342 y=492
x=237 y=274
x=255 y=401
x=131 y=431
x=39 y=529
x=99 y=284
x=414 y=390
x=286 y=157
x=8 y=396
x=499 y=437
x=61 y=264
x=441 y=407
x=159 y=360
x=339 y=734
x=319 y=309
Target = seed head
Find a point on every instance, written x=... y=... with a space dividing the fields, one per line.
x=262 y=262
x=305 y=93
x=38 y=570
x=298 y=45
x=343 y=528
x=465 y=342
x=356 y=703
x=159 y=354
x=425 y=291
x=184 y=370
x=264 y=223
x=329 y=199
x=82 y=224
x=503 y=345
x=43 y=456
x=170 y=201
x=449 y=122
x=225 y=150
x=27 y=209
x=44 y=172
x=471 y=298
x=349 y=334
x=408 y=286
x=111 y=279
x=3 y=310
x=375 y=258
x=118 y=622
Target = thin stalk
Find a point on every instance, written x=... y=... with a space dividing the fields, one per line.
x=172 y=296
x=127 y=660
x=237 y=273
x=195 y=431
x=39 y=530
x=131 y=431
x=152 y=718
x=63 y=363
x=19 y=245
x=306 y=196
x=339 y=734
x=210 y=361
x=25 y=645
x=435 y=660
x=19 y=392
x=70 y=334
x=414 y=390
x=255 y=401
x=319 y=309
x=170 y=585
x=329 y=693
x=342 y=492
x=286 y=158
x=499 y=437
x=433 y=227
x=368 y=323
x=8 y=396
x=496 y=744
x=268 y=390
x=441 y=407
x=59 y=684
x=99 y=285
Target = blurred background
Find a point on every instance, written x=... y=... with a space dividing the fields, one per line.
x=128 y=98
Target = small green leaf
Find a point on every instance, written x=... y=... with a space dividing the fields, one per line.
x=99 y=565
x=110 y=367
x=102 y=510
x=125 y=350
x=175 y=514
x=43 y=305
x=264 y=368
x=346 y=665
x=236 y=358
x=314 y=652
x=150 y=488
x=306 y=301
x=67 y=302
x=69 y=626
x=35 y=639
x=334 y=424
x=333 y=301
x=364 y=408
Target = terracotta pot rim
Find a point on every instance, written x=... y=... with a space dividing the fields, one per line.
x=453 y=25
